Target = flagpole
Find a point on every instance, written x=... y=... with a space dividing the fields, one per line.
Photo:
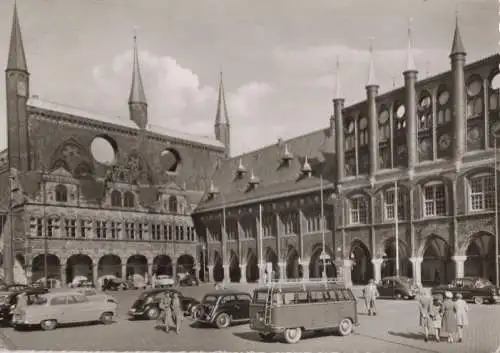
x=224 y=235
x=261 y=260
x=323 y=227
x=396 y=225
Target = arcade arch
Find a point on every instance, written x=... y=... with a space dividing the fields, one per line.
x=252 y=270
x=38 y=267
x=218 y=267
x=437 y=266
x=389 y=264
x=234 y=267
x=316 y=265
x=480 y=254
x=362 y=267
x=293 y=267
x=162 y=265
x=186 y=264
x=109 y=265
x=137 y=265
x=79 y=266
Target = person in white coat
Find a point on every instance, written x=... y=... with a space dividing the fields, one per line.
x=461 y=311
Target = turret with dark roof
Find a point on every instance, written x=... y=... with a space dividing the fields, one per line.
x=222 y=126
x=138 y=105
x=17 y=57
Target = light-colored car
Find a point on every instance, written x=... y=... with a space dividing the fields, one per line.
x=91 y=293
x=163 y=281
x=56 y=308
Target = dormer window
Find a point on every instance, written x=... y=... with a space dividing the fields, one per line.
x=241 y=170
x=212 y=190
x=306 y=168
x=287 y=156
x=61 y=193
x=253 y=181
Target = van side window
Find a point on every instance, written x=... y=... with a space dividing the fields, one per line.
x=300 y=298
x=316 y=297
x=347 y=294
x=333 y=296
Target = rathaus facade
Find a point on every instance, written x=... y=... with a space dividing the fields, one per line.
x=69 y=213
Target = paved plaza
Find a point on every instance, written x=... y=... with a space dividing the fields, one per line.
x=393 y=330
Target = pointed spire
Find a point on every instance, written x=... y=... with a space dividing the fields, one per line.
x=306 y=167
x=410 y=62
x=241 y=167
x=17 y=57
x=137 y=94
x=458 y=45
x=221 y=116
x=372 y=79
x=338 y=88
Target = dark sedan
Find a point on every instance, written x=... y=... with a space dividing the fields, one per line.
x=10 y=302
x=147 y=305
x=397 y=288
x=474 y=289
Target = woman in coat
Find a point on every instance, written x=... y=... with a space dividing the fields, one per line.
x=461 y=309
x=424 y=308
x=449 y=324
x=435 y=315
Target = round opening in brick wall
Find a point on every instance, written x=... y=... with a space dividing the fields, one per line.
x=103 y=150
x=170 y=160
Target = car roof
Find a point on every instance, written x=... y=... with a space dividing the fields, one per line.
x=61 y=293
x=159 y=290
x=300 y=287
x=226 y=292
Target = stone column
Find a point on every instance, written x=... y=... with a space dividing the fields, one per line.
x=174 y=269
x=95 y=275
x=377 y=269
x=149 y=280
x=243 y=270
x=124 y=271
x=417 y=269
x=305 y=270
x=459 y=265
x=262 y=270
x=63 y=275
x=197 y=273
x=227 y=277
x=210 y=273
x=282 y=266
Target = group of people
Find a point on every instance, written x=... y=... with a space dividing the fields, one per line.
x=443 y=316
x=170 y=312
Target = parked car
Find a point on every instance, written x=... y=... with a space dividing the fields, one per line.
x=225 y=307
x=163 y=281
x=56 y=308
x=114 y=284
x=91 y=293
x=474 y=289
x=81 y=281
x=9 y=305
x=397 y=288
x=188 y=281
x=147 y=305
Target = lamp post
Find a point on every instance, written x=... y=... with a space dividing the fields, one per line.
x=496 y=135
x=205 y=262
x=396 y=224
x=324 y=256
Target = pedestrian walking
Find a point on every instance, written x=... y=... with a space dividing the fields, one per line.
x=449 y=324
x=436 y=317
x=165 y=311
x=178 y=313
x=461 y=312
x=424 y=307
x=370 y=293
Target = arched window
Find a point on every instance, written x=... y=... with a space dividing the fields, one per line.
x=116 y=198
x=494 y=106
x=350 y=147
x=424 y=110
x=61 y=193
x=363 y=132
x=443 y=106
x=390 y=204
x=128 y=199
x=172 y=204
x=400 y=148
x=359 y=210
x=434 y=195
x=475 y=98
x=384 y=135
x=482 y=192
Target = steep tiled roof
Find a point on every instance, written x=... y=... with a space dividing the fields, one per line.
x=127 y=123
x=275 y=176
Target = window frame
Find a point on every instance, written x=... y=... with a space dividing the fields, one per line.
x=362 y=199
x=483 y=194
x=434 y=186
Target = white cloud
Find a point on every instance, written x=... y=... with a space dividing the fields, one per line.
x=177 y=99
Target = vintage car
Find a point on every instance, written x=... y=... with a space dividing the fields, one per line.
x=474 y=289
x=163 y=281
x=224 y=307
x=114 y=284
x=94 y=295
x=9 y=305
x=397 y=288
x=188 y=281
x=147 y=305
x=59 y=308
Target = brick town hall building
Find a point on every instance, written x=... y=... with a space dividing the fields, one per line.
x=66 y=214
x=432 y=140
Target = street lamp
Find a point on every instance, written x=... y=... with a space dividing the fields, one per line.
x=496 y=134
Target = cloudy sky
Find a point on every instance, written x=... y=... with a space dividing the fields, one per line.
x=278 y=56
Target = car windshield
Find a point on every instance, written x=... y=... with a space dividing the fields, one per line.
x=260 y=297
x=210 y=299
x=144 y=295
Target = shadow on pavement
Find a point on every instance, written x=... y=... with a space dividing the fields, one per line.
x=254 y=336
x=409 y=335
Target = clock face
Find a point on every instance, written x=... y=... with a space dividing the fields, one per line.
x=21 y=88
x=473 y=134
x=424 y=145
x=444 y=141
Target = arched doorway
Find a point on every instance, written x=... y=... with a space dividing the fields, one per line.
x=272 y=258
x=162 y=265
x=481 y=257
x=38 y=267
x=234 y=268
x=293 y=269
x=109 y=265
x=437 y=266
x=137 y=266
x=316 y=265
x=362 y=268
x=389 y=264
x=186 y=264
x=79 y=266
x=218 y=267
x=252 y=267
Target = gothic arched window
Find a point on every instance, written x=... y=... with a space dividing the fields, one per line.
x=172 y=204
x=61 y=193
x=384 y=136
x=350 y=147
x=425 y=124
x=116 y=198
x=128 y=199
x=494 y=105
x=475 y=122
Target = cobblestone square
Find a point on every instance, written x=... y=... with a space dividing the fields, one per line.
x=393 y=330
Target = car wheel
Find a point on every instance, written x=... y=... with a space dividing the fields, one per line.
x=48 y=325
x=293 y=335
x=345 y=327
x=478 y=300
x=153 y=313
x=106 y=318
x=398 y=296
x=223 y=320
x=267 y=337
